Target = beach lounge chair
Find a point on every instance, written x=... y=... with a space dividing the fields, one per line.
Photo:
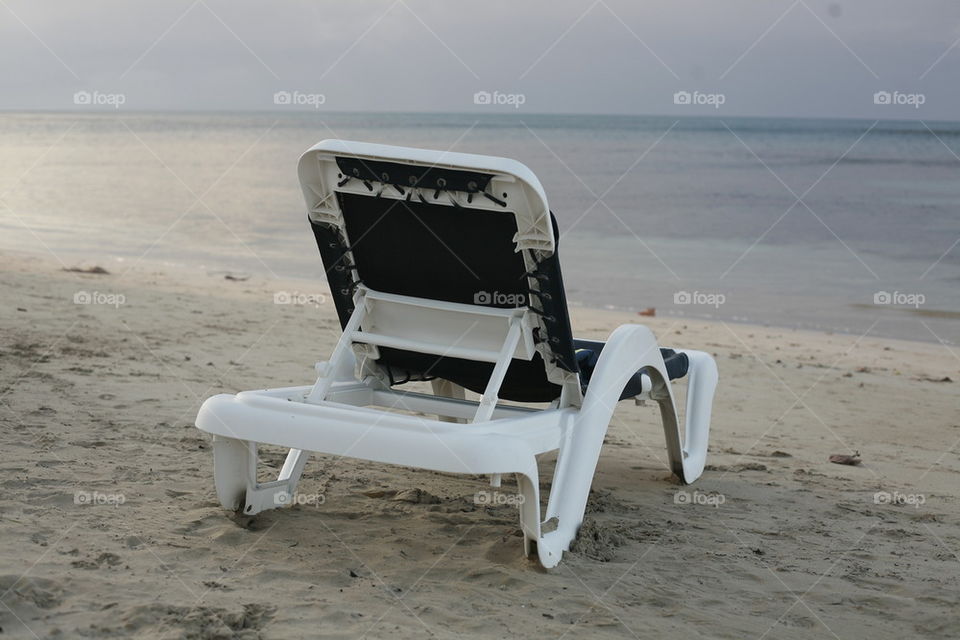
x=443 y=267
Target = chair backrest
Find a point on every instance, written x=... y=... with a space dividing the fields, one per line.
x=447 y=227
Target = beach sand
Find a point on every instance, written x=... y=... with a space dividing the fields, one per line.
x=97 y=403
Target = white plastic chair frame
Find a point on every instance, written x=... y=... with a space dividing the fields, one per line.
x=351 y=411
x=336 y=415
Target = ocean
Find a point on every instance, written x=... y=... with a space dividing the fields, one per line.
x=837 y=225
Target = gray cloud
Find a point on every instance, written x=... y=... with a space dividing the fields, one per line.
x=778 y=58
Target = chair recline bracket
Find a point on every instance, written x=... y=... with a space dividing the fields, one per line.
x=516 y=342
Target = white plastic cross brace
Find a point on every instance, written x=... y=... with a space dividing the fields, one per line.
x=488 y=401
x=490 y=397
x=322 y=386
x=434 y=327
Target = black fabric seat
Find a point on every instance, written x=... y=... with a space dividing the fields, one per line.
x=588 y=353
x=417 y=247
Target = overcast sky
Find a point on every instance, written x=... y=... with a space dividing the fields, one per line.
x=770 y=57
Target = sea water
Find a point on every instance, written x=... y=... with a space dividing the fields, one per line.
x=840 y=225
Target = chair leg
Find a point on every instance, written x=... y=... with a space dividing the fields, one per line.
x=230 y=464
x=446 y=389
x=701 y=385
x=528 y=488
x=630 y=347
x=235 y=477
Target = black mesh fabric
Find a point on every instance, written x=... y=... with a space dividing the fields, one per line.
x=441 y=252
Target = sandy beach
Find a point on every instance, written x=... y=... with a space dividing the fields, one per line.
x=111 y=526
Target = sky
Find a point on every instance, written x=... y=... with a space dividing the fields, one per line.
x=778 y=58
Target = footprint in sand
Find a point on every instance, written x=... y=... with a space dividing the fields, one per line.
x=105 y=559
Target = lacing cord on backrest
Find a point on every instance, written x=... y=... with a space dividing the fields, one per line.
x=368 y=175
x=549 y=318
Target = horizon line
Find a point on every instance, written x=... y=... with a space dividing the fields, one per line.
x=478 y=114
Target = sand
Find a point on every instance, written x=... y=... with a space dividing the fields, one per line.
x=110 y=526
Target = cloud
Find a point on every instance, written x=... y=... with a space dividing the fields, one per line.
x=776 y=59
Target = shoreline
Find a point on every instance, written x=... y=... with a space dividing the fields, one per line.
x=201 y=276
